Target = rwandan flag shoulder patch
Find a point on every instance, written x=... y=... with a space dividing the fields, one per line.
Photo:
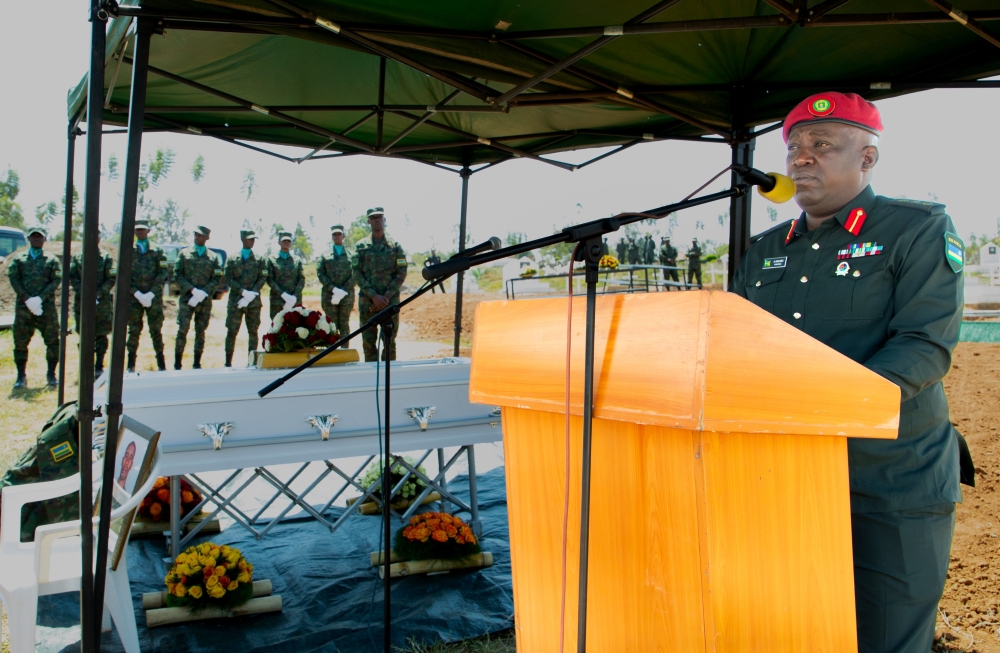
x=954 y=251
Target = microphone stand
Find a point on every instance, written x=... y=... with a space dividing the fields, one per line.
x=588 y=233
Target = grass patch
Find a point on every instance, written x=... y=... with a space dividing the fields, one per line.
x=503 y=642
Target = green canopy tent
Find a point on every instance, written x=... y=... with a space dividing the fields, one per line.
x=464 y=86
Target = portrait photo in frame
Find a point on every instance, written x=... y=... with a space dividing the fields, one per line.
x=133 y=461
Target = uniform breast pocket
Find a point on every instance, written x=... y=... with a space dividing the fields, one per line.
x=763 y=287
x=859 y=294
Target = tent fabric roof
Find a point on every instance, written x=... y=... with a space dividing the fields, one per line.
x=697 y=67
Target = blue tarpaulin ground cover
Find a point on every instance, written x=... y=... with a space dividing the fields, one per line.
x=331 y=595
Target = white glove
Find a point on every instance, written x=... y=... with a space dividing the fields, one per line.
x=197 y=296
x=289 y=300
x=249 y=295
x=243 y=303
x=144 y=298
x=337 y=295
x=149 y=298
x=34 y=305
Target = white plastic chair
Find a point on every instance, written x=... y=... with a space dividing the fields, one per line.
x=52 y=564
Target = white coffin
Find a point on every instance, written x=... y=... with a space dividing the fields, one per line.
x=274 y=430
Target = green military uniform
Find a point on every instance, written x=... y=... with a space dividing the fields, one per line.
x=694 y=263
x=633 y=252
x=150 y=271
x=622 y=249
x=53 y=456
x=605 y=250
x=883 y=287
x=379 y=269
x=285 y=275
x=648 y=250
x=195 y=270
x=433 y=259
x=244 y=271
x=334 y=270
x=35 y=274
x=668 y=257
x=104 y=316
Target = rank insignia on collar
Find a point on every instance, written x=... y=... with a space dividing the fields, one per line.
x=791 y=231
x=954 y=251
x=855 y=220
x=857 y=250
x=843 y=268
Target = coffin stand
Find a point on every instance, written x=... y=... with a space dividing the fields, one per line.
x=720 y=506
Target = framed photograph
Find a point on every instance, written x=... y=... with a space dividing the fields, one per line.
x=133 y=460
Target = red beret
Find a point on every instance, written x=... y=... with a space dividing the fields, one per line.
x=847 y=108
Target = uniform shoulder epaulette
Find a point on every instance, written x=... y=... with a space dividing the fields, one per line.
x=918 y=205
x=364 y=242
x=780 y=227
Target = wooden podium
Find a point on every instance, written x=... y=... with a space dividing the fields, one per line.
x=720 y=506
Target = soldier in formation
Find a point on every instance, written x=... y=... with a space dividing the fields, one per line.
x=149 y=274
x=433 y=259
x=622 y=250
x=285 y=276
x=633 y=252
x=668 y=257
x=104 y=315
x=694 y=262
x=246 y=275
x=379 y=272
x=605 y=250
x=198 y=272
x=336 y=277
x=34 y=276
x=648 y=250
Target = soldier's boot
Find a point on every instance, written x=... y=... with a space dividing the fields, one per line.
x=197 y=360
x=161 y=364
x=229 y=358
x=98 y=365
x=50 y=376
x=177 y=360
x=130 y=365
x=22 y=378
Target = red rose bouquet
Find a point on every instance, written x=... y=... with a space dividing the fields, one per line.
x=156 y=505
x=299 y=328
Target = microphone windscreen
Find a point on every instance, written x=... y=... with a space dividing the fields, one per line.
x=784 y=189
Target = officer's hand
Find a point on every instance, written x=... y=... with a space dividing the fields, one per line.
x=34 y=305
x=379 y=302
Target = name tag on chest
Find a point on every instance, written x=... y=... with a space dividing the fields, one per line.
x=776 y=262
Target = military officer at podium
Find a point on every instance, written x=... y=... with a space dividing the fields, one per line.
x=336 y=277
x=379 y=272
x=880 y=281
x=246 y=275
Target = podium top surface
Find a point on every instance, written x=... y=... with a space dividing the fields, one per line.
x=705 y=360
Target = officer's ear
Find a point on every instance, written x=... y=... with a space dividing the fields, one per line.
x=869 y=158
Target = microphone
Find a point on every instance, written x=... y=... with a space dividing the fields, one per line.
x=772 y=186
x=491 y=244
x=459 y=262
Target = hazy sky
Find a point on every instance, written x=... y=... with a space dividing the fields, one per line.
x=936 y=143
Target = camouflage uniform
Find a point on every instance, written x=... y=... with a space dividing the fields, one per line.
x=249 y=274
x=622 y=250
x=633 y=253
x=35 y=277
x=334 y=271
x=149 y=273
x=379 y=269
x=668 y=256
x=104 y=316
x=648 y=250
x=284 y=276
x=194 y=271
x=694 y=264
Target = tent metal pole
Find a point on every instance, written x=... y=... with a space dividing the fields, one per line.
x=460 y=277
x=72 y=133
x=88 y=307
x=963 y=18
x=739 y=207
x=381 y=101
x=116 y=368
x=419 y=121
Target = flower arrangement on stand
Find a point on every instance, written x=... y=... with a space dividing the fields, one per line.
x=528 y=272
x=209 y=575
x=609 y=261
x=156 y=505
x=435 y=536
x=413 y=486
x=299 y=328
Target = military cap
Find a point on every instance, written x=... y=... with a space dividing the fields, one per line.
x=284 y=235
x=204 y=231
x=847 y=108
x=337 y=228
x=378 y=210
x=142 y=224
x=38 y=230
x=246 y=234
